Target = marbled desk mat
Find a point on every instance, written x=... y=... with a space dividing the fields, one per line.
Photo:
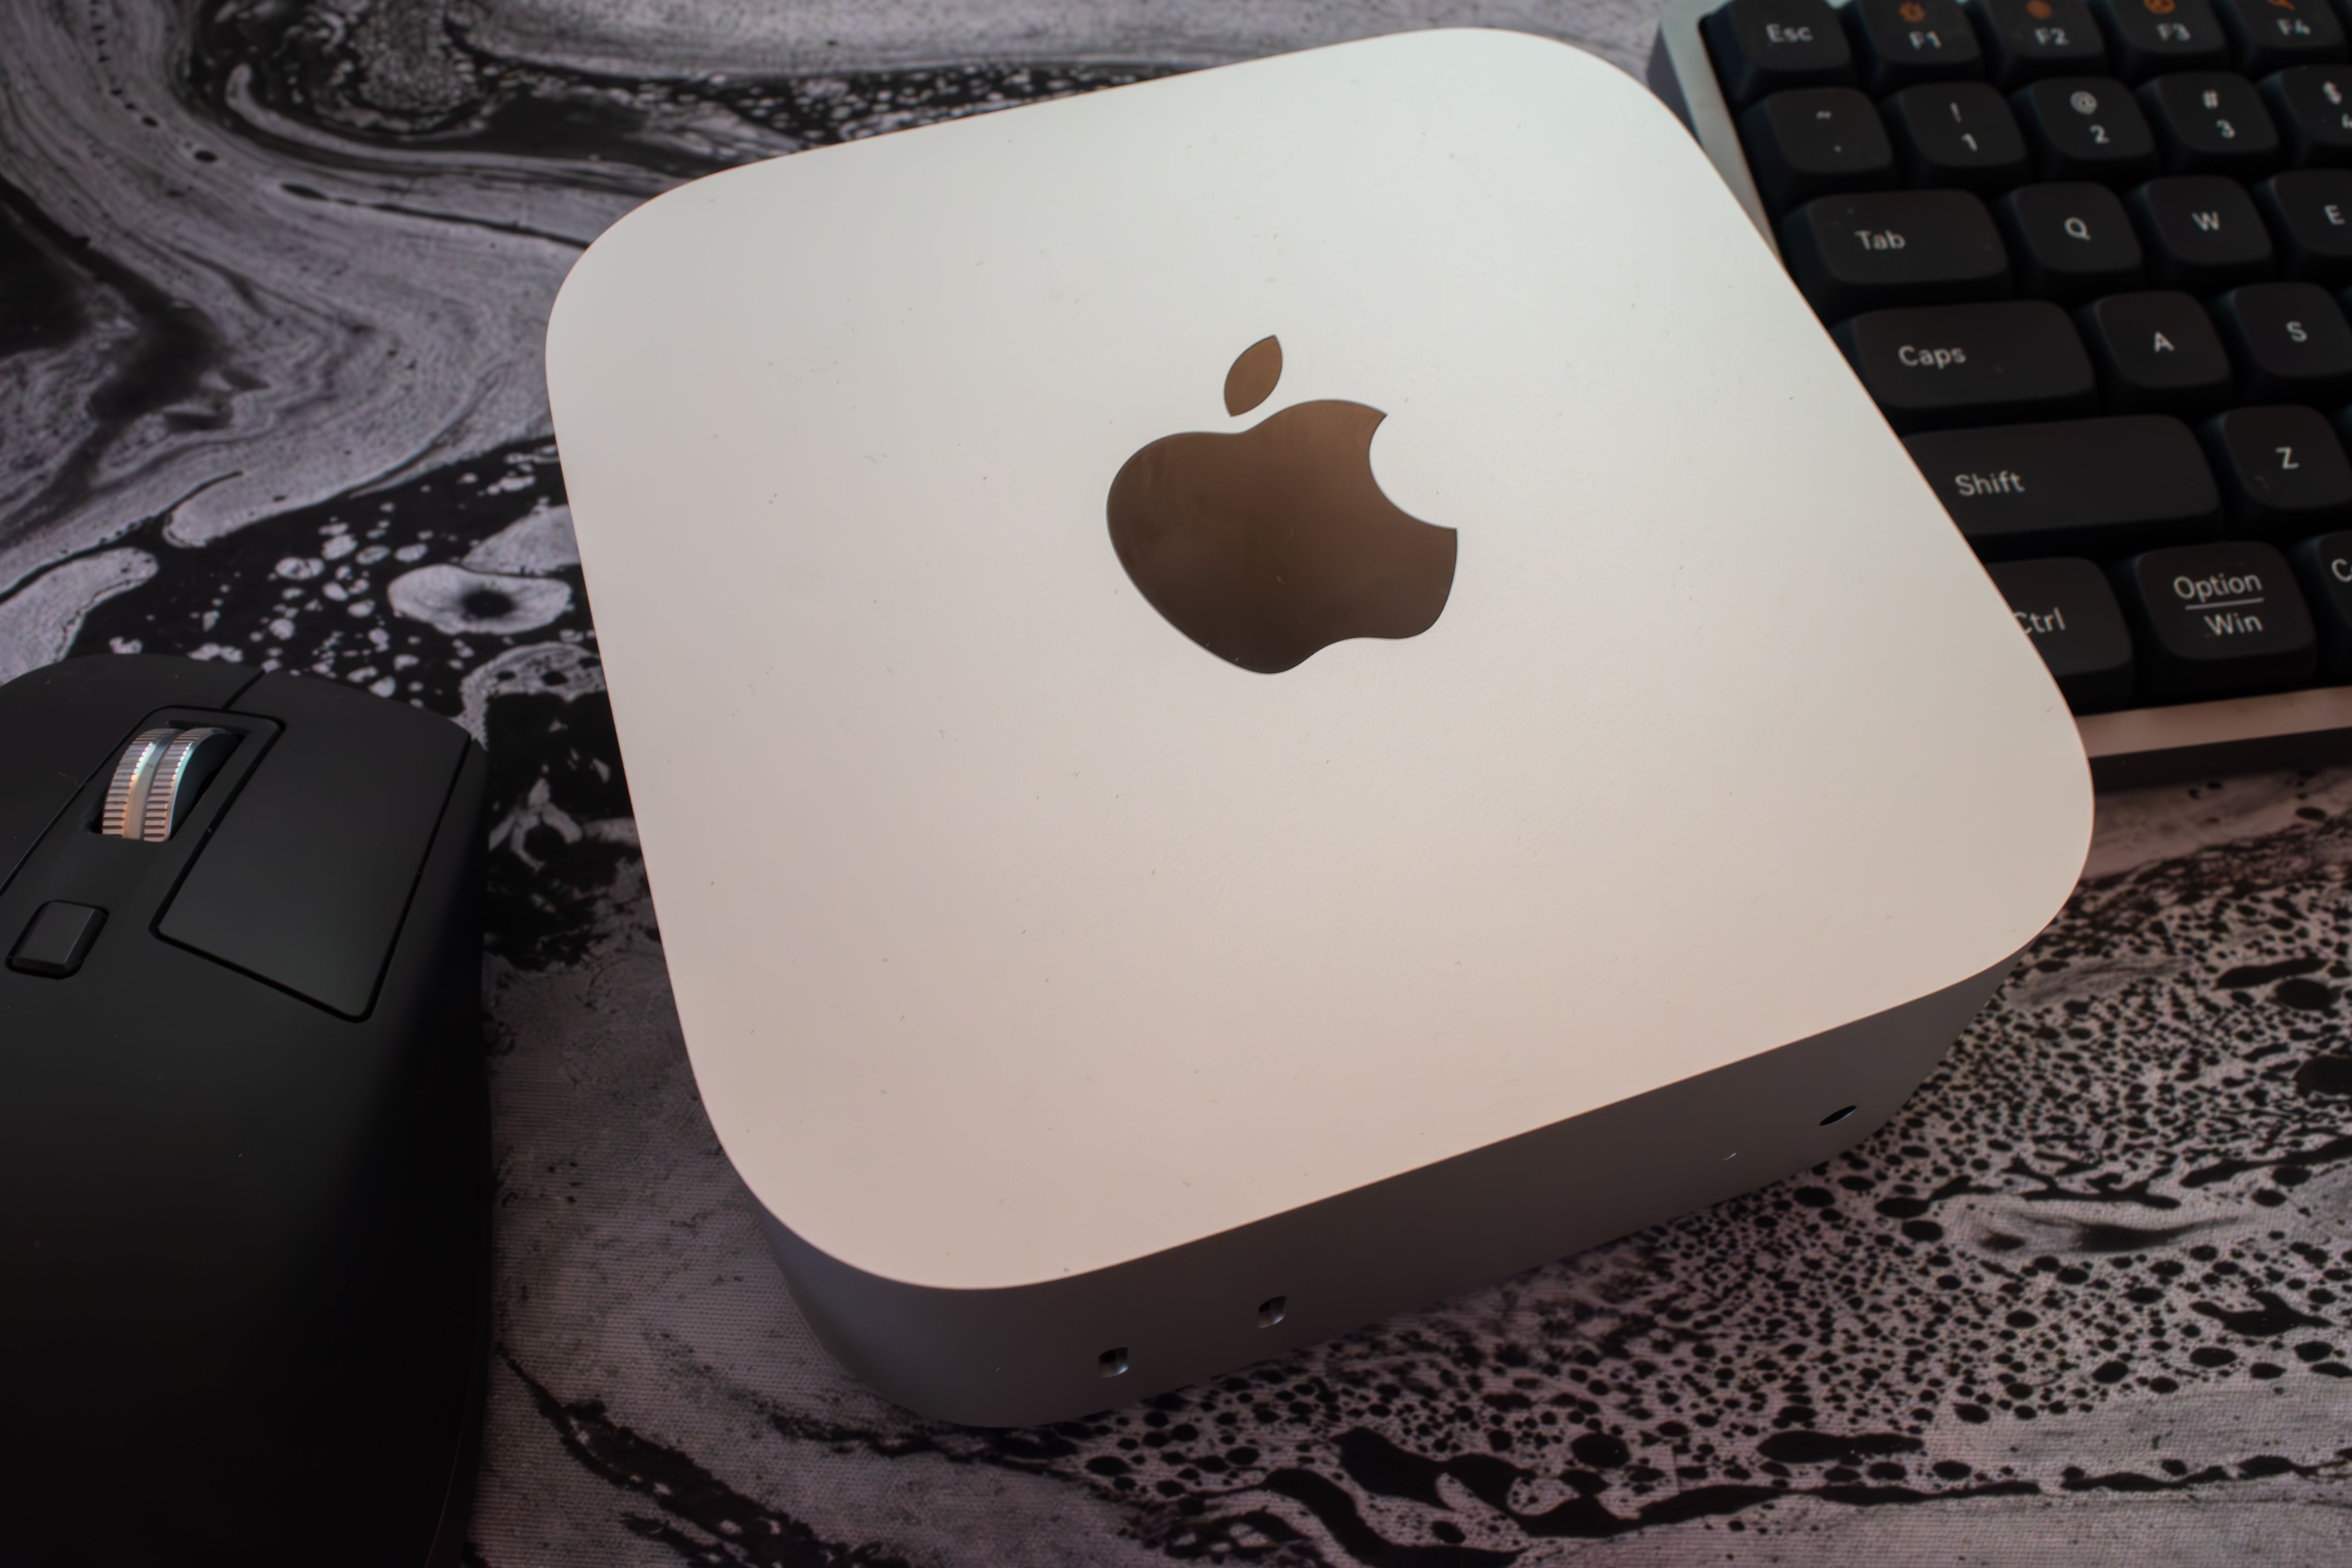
x=272 y=279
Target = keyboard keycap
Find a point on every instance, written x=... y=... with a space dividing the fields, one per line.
x=2271 y=34
x=2211 y=122
x=2145 y=37
x=2096 y=487
x=1814 y=141
x=2086 y=128
x=2202 y=233
x=2218 y=619
x=2289 y=341
x=2027 y=39
x=2312 y=107
x=1971 y=365
x=1763 y=46
x=2282 y=472
x=1881 y=248
x=2156 y=352
x=2310 y=213
x=1956 y=133
x=2069 y=242
x=2325 y=566
x=1899 y=42
x=2068 y=606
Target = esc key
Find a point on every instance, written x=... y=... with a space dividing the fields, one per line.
x=1762 y=46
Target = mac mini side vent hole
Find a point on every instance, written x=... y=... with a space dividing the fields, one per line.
x=1272 y=1310
x=1112 y=1362
x=1837 y=1116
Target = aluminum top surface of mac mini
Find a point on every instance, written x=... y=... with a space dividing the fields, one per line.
x=1015 y=934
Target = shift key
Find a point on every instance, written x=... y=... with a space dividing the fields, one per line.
x=2080 y=487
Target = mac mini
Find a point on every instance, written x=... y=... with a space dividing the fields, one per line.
x=1259 y=698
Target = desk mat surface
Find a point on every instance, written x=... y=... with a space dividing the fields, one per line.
x=275 y=276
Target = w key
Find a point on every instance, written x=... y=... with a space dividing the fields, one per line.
x=1941 y=366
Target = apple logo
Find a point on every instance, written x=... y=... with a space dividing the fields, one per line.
x=1265 y=546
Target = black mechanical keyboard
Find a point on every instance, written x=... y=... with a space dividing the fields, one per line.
x=2093 y=258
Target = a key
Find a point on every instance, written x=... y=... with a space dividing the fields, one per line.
x=2325 y=566
x=1937 y=366
x=2069 y=242
x=1813 y=141
x=2211 y=122
x=2099 y=487
x=1763 y=46
x=2145 y=37
x=1880 y=249
x=2068 y=606
x=2217 y=618
x=2202 y=233
x=1899 y=42
x=2312 y=107
x=2310 y=213
x=2156 y=352
x=2289 y=341
x=2086 y=128
x=2282 y=472
x=2024 y=40
x=1956 y=133
x=2271 y=34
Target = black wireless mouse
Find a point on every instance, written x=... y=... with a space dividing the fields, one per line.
x=244 y=1133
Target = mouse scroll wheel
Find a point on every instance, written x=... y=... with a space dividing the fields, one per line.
x=157 y=778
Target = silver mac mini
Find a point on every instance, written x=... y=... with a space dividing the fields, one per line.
x=1259 y=698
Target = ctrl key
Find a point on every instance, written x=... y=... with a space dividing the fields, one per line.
x=2218 y=619
x=57 y=940
x=2066 y=607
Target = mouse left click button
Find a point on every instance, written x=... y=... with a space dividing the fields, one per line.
x=57 y=940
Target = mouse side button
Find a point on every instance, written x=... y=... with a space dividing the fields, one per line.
x=57 y=940
x=308 y=874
